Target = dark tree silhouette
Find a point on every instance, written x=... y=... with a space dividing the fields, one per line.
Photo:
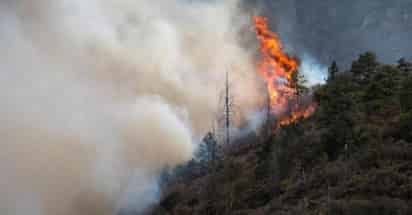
x=333 y=70
x=404 y=65
x=365 y=66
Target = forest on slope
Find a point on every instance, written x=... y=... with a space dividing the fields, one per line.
x=352 y=156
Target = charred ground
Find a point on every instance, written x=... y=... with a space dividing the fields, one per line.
x=352 y=156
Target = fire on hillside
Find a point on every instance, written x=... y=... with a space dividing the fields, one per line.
x=280 y=73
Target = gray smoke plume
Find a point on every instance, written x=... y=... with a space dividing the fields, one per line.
x=97 y=96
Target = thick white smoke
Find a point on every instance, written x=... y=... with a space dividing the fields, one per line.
x=98 y=95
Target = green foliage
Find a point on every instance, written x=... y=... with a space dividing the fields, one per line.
x=404 y=65
x=263 y=155
x=365 y=66
x=351 y=157
x=405 y=121
x=339 y=134
x=405 y=96
x=379 y=206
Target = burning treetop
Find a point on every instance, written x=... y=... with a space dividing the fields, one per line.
x=278 y=70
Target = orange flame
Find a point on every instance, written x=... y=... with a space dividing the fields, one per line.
x=296 y=114
x=278 y=70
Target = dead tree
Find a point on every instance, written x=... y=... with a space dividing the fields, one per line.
x=228 y=109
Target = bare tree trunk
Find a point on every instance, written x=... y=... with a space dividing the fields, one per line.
x=227 y=109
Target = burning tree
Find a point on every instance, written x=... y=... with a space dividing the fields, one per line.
x=280 y=73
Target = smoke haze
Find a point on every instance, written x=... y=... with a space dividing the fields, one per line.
x=98 y=96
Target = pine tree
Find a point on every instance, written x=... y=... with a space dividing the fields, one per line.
x=299 y=83
x=406 y=95
x=404 y=65
x=405 y=98
x=333 y=70
x=365 y=66
x=208 y=150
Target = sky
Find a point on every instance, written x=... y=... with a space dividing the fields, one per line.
x=341 y=30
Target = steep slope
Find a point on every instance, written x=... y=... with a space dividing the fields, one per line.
x=353 y=156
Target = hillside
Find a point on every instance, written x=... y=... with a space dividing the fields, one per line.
x=352 y=156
